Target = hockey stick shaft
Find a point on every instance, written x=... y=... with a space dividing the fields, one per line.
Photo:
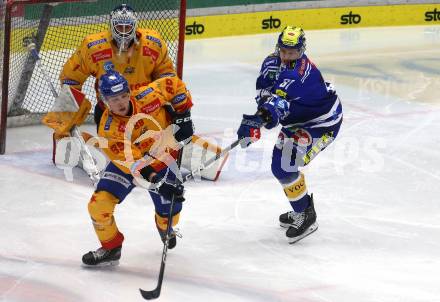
x=85 y=154
x=155 y=293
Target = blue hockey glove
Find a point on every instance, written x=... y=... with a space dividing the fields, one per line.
x=274 y=110
x=165 y=187
x=249 y=131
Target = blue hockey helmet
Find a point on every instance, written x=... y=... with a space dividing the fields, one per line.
x=123 y=26
x=112 y=83
x=292 y=37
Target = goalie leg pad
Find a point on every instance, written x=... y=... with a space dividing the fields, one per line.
x=199 y=151
x=101 y=207
x=66 y=152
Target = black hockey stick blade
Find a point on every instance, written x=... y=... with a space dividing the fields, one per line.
x=150 y=294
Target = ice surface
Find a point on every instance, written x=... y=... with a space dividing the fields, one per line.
x=376 y=191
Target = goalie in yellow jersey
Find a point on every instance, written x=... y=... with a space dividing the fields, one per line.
x=141 y=143
x=141 y=56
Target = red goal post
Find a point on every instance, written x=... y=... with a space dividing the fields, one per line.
x=59 y=26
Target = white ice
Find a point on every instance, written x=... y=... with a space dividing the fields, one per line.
x=376 y=191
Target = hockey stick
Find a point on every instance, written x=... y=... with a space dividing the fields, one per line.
x=155 y=293
x=85 y=154
x=210 y=161
x=213 y=159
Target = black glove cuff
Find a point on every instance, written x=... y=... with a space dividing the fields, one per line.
x=146 y=172
x=264 y=114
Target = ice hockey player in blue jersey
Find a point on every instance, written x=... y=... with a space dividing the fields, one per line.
x=292 y=92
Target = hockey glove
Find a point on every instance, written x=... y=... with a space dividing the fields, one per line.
x=273 y=110
x=185 y=127
x=71 y=108
x=262 y=95
x=164 y=186
x=249 y=131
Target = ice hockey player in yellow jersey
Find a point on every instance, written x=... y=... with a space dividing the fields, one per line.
x=141 y=142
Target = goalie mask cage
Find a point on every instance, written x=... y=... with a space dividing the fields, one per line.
x=59 y=28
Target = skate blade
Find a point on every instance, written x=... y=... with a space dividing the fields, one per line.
x=102 y=264
x=309 y=231
x=285 y=225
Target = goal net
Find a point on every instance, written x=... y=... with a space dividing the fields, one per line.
x=59 y=27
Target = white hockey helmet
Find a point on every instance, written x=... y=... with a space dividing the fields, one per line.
x=123 y=26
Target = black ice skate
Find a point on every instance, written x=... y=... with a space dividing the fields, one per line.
x=299 y=225
x=172 y=241
x=102 y=257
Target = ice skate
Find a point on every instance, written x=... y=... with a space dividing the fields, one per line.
x=102 y=257
x=301 y=224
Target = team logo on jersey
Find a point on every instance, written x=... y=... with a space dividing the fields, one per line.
x=151 y=106
x=179 y=99
x=272 y=75
x=108 y=122
x=102 y=55
x=155 y=40
x=148 y=52
x=91 y=44
x=108 y=66
x=70 y=82
x=143 y=93
x=129 y=70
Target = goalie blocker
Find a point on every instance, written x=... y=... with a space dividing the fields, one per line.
x=63 y=117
